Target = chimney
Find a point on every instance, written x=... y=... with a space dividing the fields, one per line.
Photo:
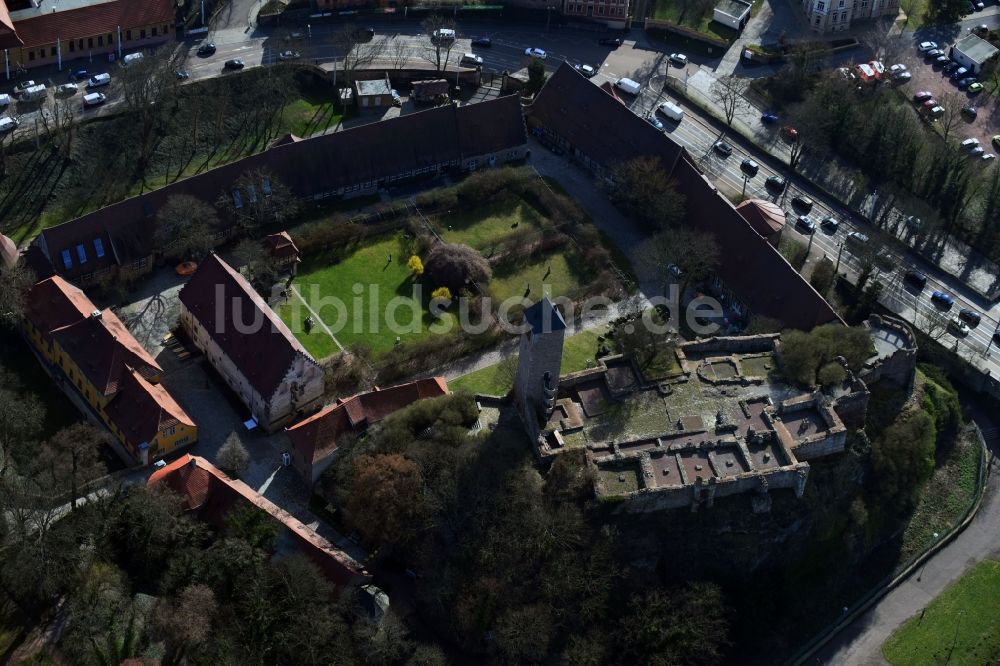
x=96 y=314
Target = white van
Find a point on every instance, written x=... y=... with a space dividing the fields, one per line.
x=5 y=100
x=33 y=93
x=443 y=35
x=98 y=80
x=131 y=58
x=672 y=111
x=471 y=59
x=628 y=85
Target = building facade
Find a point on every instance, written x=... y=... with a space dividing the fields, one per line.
x=46 y=32
x=99 y=364
x=249 y=345
x=837 y=15
x=612 y=12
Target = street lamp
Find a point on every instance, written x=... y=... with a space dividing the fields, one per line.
x=746 y=179
x=548 y=17
x=309 y=30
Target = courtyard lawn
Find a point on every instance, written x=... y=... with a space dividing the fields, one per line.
x=527 y=279
x=483 y=228
x=386 y=289
x=960 y=627
x=578 y=354
x=696 y=17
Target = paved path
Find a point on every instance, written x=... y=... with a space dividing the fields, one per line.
x=861 y=642
x=318 y=319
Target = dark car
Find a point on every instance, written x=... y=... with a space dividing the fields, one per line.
x=769 y=118
x=966 y=82
x=970 y=112
x=775 y=183
x=803 y=202
x=181 y=74
x=364 y=34
x=916 y=278
x=970 y=317
x=235 y=63
x=933 y=53
x=206 y=49
x=831 y=224
x=610 y=41
x=959 y=74
x=722 y=148
x=78 y=75
x=481 y=41
x=749 y=167
x=996 y=335
x=942 y=60
x=807 y=225
x=950 y=67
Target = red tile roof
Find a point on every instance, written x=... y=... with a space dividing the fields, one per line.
x=55 y=303
x=766 y=217
x=104 y=350
x=281 y=245
x=316 y=437
x=264 y=354
x=142 y=410
x=206 y=489
x=102 y=18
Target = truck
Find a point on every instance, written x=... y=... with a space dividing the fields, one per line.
x=672 y=111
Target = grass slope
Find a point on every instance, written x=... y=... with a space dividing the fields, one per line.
x=960 y=627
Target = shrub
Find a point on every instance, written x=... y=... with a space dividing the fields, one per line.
x=454 y=265
x=805 y=355
x=415 y=265
x=822 y=277
x=442 y=292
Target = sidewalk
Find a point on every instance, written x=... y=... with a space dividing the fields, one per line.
x=952 y=256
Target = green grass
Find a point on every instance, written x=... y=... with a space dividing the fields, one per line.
x=960 y=627
x=578 y=354
x=550 y=275
x=310 y=114
x=671 y=10
x=380 y=268
x=483 y=228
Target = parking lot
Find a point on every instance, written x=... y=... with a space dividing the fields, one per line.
x=929 y=76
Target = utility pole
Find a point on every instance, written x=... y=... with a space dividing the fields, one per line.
x=840 y=251
x=745 y=180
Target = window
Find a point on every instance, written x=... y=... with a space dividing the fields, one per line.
x=817 y=20
x=128 y=35
x=252 y=194
x=100 y=40
x=98 y=248
x=72 y=46
x=154 y=30
x=31 y=55
x=67 y=259
x=821 y=6
x=90 y=42
x=79 y=44
x=111 y=39
x=265 y=185
x=142 y=34
x=237 y=201
x=52 y=52
x=81 y=253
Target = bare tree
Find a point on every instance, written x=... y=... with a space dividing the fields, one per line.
x=59 y=124
x=15 y=282
x=438 y=52
x=258 y=199
x=72 y=457
x=398 y=52
x=233 y=457
x=687 y=255
x=145 y=84
x=185 y=227
x=952 y=103
x=729 y=91
x=358 y=51
x=933 y=322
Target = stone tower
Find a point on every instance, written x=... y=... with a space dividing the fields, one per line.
x=538 y=364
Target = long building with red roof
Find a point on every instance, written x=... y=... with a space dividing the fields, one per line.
x=44 y=32
x=90 y=353
x=315 y=440
x=208 y=493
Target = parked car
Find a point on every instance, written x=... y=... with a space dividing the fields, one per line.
x=678 y=59
x=99 y=80
x=959 y=327
x=749 y=167
x=235 y=63
x=933 y=53
x=803 y=202
x=942 y=61
x=959 y=74
x=206 y=49
x=831 y=224
x=930 y=104
x=988 y=157
x=936 y=111
x=803 y=222
x=5 y=100
x=629 y=86
x=131 y=59
x=978 y=151
x=67 y=89
x=22 y=86
x=586 y=70
x=978 y=4
x=996 y=140
x=943 y=299
x=289 y=55
x=769 y=118
x=916 y=278
x=722 y=148
x=182 y=74
x=975 y=87
x=775 y=183
x=655 y=122
x=970 y=112
x=857 y=238
x=950 y=68
x=535 y=52
x=9 y=124
x=789 y=133
x=996 y=335
x=78 y=75
x=93 y=99
x=924 y=47
x=902 y=76
x=897 y=69
x=969 y=143
x=970 y=317
x=981 y=30
x=966 y=82
x=923 y=96
x=675 y=270
x=482 y=41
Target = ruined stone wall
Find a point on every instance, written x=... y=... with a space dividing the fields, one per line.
x=833 y=442
x=743 y=344
x=853 y=408
x=901 y=366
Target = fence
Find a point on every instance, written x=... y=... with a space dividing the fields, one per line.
x=891 y=581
